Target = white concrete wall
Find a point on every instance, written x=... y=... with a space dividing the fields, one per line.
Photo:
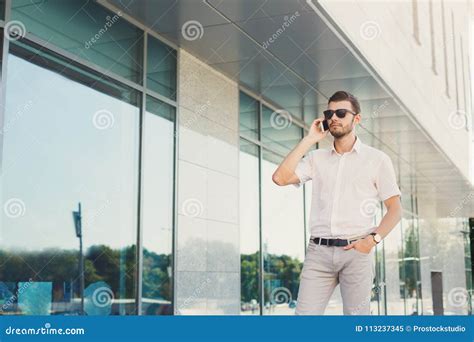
x=208 y=251
x=406 y=66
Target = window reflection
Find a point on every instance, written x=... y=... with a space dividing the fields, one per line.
x=157 y=207
x=60 y=149
x=161 y=68
x=87 y=30
x=249 y=229
x=410 y=266
x=248 y=118
x=283 y=240
x=278 y=131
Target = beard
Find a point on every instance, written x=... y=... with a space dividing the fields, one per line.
x=341 y=131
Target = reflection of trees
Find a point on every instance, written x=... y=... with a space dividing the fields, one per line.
x=156 y=278
x=249 y=276
x=409 y=261
x=116 y=267
x=280 y=271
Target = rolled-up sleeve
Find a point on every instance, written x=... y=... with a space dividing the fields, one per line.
x=304 y=169
x=386 y=180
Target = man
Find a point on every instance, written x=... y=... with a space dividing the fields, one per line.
x=349 y=180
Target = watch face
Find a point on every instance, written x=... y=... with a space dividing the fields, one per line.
x=377 y=238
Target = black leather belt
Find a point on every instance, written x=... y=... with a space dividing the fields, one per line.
x=332 y=242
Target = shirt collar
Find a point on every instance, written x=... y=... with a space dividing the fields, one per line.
x=356 y=147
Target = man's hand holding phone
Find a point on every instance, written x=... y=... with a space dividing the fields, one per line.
x=315 y=133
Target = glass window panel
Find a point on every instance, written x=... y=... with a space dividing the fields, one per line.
x=393 y=276
x=2 y=9
x=161 y=68
x=87 y=30
x=248 y=116
x=157 y=207
x=249 y=228
x=278 y=131
x=283 y=240
x=60 y=150
x=410 y=265
x=377 y=303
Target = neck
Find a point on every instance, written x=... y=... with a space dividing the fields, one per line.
x=345 y=143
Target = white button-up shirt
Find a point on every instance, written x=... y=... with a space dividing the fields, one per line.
x=347 y=189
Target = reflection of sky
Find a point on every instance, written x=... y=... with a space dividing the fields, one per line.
x=282 y=215
x=282 y=211
x=54 y=157
x=249 y=206
x=158 y=184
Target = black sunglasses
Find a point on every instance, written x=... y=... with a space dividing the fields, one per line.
x=340 y=113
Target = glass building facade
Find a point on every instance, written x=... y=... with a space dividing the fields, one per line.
x=89 y=97
x=90 y=113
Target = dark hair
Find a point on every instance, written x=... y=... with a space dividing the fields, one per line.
x=342 y=95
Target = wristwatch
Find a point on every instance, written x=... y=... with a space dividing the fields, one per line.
x=377 y=237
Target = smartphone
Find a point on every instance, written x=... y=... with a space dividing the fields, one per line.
x=324 y=125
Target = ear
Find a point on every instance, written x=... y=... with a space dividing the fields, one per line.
x=357 y=117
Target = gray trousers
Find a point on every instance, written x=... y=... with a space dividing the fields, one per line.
x=324 y=267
